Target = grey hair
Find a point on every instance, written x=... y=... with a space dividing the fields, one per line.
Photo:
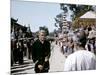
x=42 y=31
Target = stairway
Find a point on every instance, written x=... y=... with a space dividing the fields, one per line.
x=26 y=68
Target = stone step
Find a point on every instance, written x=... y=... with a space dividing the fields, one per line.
x=16 y=68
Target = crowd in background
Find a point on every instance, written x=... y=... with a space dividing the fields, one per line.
x=87 y=36
x=21 y=46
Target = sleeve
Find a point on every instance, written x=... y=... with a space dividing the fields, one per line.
x=48 y=50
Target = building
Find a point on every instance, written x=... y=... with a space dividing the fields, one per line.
x=88 y=19
x=19 y=31
x=16 y=26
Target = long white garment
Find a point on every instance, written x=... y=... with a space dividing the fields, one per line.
x=57 y=60
x=80 y=60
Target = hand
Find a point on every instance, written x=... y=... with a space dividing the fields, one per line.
x=40 y=67
x=46 y=59
x=34 y=60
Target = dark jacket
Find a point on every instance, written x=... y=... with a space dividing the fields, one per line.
x=40 y=51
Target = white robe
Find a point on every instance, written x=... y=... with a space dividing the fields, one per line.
x=80 y=60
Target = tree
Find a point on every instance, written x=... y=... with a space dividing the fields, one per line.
x=78 y=10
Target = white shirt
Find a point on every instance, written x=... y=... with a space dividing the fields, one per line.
x=80 y=60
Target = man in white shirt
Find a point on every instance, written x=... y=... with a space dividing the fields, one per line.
x=80 y=60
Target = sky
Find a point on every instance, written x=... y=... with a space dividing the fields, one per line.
x=35 y=13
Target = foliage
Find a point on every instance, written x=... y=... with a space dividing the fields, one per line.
x=78 y=10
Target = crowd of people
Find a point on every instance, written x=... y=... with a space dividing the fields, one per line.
x=21 y=47
x=86 y=35
x=36 y=49
x=76 y=45
x=79 y=48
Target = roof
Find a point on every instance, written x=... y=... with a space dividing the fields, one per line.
x=89 y=14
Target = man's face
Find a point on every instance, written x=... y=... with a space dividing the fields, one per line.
x=42 y=36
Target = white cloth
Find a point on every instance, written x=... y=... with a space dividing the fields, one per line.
x=80 y=60
x=57 y=60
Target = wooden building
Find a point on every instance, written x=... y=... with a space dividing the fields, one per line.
x=88 y=19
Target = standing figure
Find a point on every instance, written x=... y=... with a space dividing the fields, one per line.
x=64 y=48
x=20 y=48
x=91 y=43
x=41 y=53
x=70 y=46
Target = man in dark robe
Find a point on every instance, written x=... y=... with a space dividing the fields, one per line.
x=41 y=53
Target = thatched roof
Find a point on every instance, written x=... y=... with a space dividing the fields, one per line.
x=89 y=15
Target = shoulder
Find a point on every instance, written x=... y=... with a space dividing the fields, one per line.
x=47 y=42
x=36 y=42
x=83 y=53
